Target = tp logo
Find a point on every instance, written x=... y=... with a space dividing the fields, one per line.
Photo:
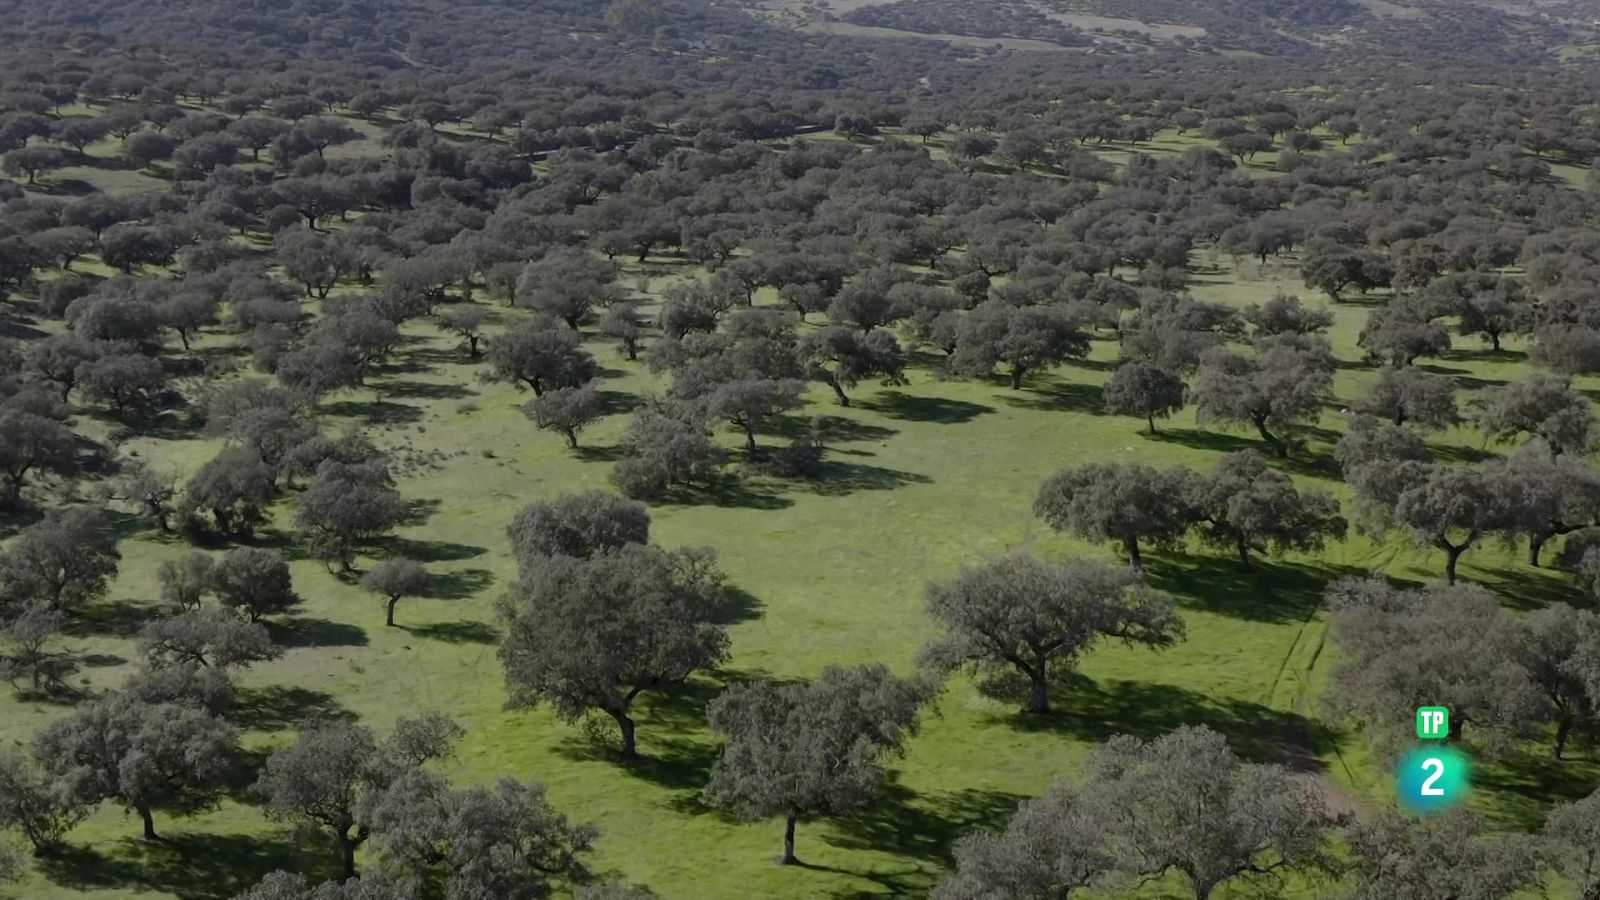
x=1432 y=779
x=1433 y=723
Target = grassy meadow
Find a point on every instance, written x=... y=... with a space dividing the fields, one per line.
x=920 y=480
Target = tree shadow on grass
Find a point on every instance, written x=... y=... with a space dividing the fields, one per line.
x=1300 y=463
x=737 y=605
x=1473 y=383
x=418 y=512
x=111 y=618
x=618 y=403
x=898 y=405
x=187 y=865
x=308 y=632
x=835 y=429
x=459 y=584
x=609 y=454
x=1061 y=397
x=1094 y=712
x=1268 y=592
x=675 y=763
x=1524 y=784
x=840 y=478
x=424 y=390
x=728 y=492
x=463 y=631
x=1525 y=588
x=675 y=749
x=279 y=707
x=374 y=411
x=431 y=551
x=1484 y=355
x=920 y=826
x=1461 y=454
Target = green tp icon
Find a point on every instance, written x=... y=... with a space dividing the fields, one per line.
x=1433 y=723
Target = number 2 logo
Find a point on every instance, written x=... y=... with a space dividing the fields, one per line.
x=1436 y=766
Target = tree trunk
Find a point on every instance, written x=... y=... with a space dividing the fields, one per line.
x=1038 y=693
x=572 y=439
x=389 y=617
x=1536 y=547
x=630 y=749
x=1150 y=419
x=1016 y=377
x=347 y=854
x=1134 y=559
x=1244 y=553
x=1279 y=448
x=1452 y=556
x=1563 y=731
x=838 y=390
x=1494 y=341
x=788 y=858
x=13 y=492
x=149 y=824
x=749 y=440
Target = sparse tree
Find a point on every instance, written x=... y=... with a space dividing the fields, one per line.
x=1394 y=658
x=1282 y=386
x=1129 y=504
x=842 y=357
x=394 y=580
x=1020 y=616
x=334 y=773
x=591 y=635
x=1542 y=406
x=1561 y=651
x=811 y=749
x=206 y=637
x=465 y=320
x=282 y=885
x=1287 y=315
x=500 y=841
x=144 y=756
x=1022 y=339
x=664 y=452
x=566 y=411
x=1406 y=395
x=1444 y=857
x=623 y=324
x=30 y=649
x=30 y=442
x=63 y=562
x=34 y=804
x=1052 y=847
x=541 y=355
x=186 y=580
x=235 y=487
x=1185 y=803
x=254 y=581
x=1145 y=390
x=346 y=504
x=1572 y=844
x=1246 y=506
x=576 y=525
